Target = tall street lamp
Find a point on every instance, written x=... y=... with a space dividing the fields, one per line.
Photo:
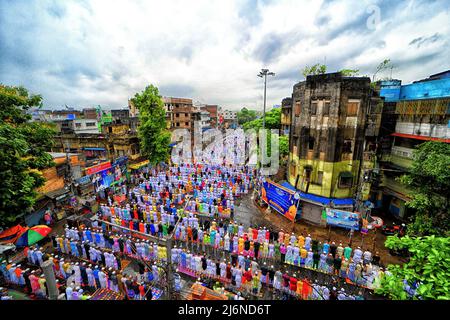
x=264 y=73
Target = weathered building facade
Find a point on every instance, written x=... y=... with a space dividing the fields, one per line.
x=286 y=116
x=328 y=140
x=418 y=112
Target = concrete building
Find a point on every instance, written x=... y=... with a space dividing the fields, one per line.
x=179 y=112
x=120 y=114
x=329 y=145
x=90 y=113
x=213 y=114
x=419 y=112
x=81 y=126
x=286 y=115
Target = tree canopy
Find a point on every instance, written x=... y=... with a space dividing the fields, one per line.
x=429 y=179
x=153 y=135
x=349 y=72
x=23 y=152
x=246 y=115
x=425 y=276
x=273 y=121
x=314 y=70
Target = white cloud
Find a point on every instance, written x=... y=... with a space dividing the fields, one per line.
x=102 y=52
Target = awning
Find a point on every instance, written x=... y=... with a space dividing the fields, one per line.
x=94 y=149
x=138 y=165
x=417 y=137
x=57 y=193
x=344 y=202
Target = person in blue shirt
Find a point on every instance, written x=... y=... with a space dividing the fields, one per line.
x=326 y=247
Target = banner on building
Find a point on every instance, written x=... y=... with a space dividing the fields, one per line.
x=281 y=199
x=98 y=168
x=343 y=219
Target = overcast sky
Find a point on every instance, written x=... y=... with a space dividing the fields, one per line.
x=85 y=53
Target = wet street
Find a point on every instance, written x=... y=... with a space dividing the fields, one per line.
x=248 y=213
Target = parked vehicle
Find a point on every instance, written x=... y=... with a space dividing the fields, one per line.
x=394 y=229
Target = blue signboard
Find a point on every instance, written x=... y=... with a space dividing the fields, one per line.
x=280 y=198
x=343 y=219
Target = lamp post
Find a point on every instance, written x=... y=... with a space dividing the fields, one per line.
x=264 y=73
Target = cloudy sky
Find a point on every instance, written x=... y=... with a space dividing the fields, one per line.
x=85 y=53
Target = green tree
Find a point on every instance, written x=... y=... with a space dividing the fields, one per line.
x=23 y=146
x=385 y=64
x=246 y=115
x=273 y=121
x=314 y=70
x=429 y=179
x=349 y=72
x=428 y=267
x=284 y=146
x=153 y=135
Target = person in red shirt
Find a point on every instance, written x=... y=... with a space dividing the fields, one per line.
x=255 y=234
x=293 y=284
x=131 y=225
x=306 y=289
x=248 y=279
x=141 y=227
x=135 y=214
x=189 y=233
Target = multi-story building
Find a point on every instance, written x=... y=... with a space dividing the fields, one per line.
x=329 y=148
x=228 y=118
x=419 y=112
x=286 y=115
x=179 y=112
x=122 y=138
x=90 y=113
x=81 y=126
x=213 y=114
x=120 y=114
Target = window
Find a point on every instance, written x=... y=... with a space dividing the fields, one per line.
x=177 y=115
x=311 y=143
x=345 y=179
x=347 y=147
x=186 y=123
x=77 y=125
x=90 y=124
x=314 y=108
x=186 y=115
x=178 y=124
x=352 y=108
x=308 y=170
x=298 y=108
x=319 y=177
x=326 y=108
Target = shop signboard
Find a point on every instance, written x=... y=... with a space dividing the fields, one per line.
x=343 y=219
x=281 y=199
x=98 y=168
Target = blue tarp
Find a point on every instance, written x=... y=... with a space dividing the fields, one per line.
x=318 y=199
x=94 y=149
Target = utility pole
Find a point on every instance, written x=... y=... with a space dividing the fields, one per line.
x=264 y=73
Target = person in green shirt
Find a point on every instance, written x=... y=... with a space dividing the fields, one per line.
x=347 y=252
x=165 y=230
x=277 y=251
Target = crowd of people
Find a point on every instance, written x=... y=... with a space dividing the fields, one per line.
x=358 y=266
x=195 y=204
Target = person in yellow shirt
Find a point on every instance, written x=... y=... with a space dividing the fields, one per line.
x=240 y=244
x=303 y=255
x=301 y=241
